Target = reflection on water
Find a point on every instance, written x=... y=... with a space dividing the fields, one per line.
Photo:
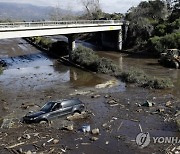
x=148 y=65
x=31 y=69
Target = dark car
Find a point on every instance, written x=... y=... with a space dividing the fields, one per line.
x=54 y=109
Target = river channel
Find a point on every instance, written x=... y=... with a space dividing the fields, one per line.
x=32 y=77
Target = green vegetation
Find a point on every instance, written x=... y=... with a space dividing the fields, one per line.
x=154 y=26
x=43 y=42
x=58 y=48
x=88 y=59
x=138 y=77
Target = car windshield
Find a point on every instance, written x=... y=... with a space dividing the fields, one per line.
x=47 y=107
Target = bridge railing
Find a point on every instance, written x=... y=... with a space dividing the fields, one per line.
x=57 y=23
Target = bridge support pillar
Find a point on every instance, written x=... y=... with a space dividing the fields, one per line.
x=112 y=39
x=72 y=45
x=119 y=40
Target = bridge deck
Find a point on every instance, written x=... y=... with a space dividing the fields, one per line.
x=28 y=29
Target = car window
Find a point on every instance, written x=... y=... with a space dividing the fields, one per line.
x=67 y=103
x=47 y=107
x=57 y=107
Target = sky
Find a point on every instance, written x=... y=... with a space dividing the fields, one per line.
x=109 y=6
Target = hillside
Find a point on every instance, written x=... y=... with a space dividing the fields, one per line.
x=27 y=12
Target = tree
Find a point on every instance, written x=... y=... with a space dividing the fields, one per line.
x=55 y=13
x=91 y=7
x=143 y=18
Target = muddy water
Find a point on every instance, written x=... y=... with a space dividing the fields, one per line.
x=34 y=78
x=148 y=65
x=37 y=70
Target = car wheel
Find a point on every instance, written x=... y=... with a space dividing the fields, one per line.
x=44 y=121
x=77 y=112
x=175 y=64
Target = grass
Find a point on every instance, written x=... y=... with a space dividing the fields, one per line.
x=89 y=60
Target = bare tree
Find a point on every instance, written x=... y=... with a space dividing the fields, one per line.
x=56 y=13
x=91 y=6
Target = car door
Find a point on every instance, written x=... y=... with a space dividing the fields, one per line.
x=56 y=111
x=67 y=107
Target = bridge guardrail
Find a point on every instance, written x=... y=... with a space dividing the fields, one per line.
x=57 y=23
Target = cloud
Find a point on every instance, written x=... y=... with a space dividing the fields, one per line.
x=107 y=5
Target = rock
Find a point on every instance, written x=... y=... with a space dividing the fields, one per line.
x=7 y=123
x=160 y=110
x=148 y=104
x=69 y=127
x=94 y=138
x=95 y=96
x=55 y=141
x=26 y=136
x=76 y=116
x=168 y=104
x=107 y=96
x=28 y=152
x=112 y=102
x=104 y=125
x=95 y=131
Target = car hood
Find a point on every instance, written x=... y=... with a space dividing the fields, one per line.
x=35 y=114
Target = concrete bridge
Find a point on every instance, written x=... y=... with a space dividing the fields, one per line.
x=111 y=31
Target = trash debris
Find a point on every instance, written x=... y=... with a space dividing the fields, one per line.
x=95 y=131
x=15 y=145
x=95 y=96
x=94 y=138
x=55 y=141
x=168 y=104
x=107 y=142
x=107 y=96
x=86 y=128
x=161 y=110
x=107 y=84
x=68 y=127
x=26 y=106
x=148 y=103
x=26 y=136
x=50 y=140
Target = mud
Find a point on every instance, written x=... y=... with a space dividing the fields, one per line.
x=32 y=78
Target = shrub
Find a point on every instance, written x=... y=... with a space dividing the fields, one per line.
x=87 y=58
x=168 y=41
x=138 y=77
x=158 y=83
